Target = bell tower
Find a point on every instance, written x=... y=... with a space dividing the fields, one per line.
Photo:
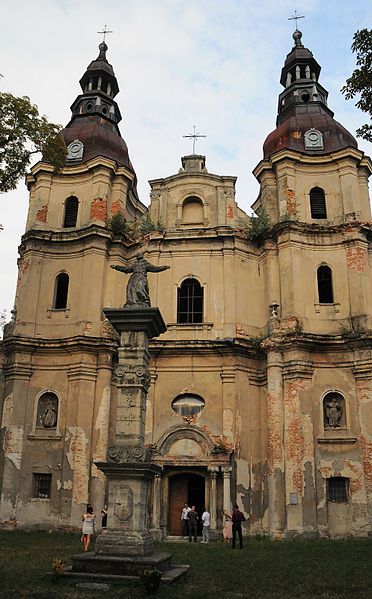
x=59 y=348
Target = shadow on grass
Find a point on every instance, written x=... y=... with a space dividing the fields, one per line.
x=263 y=569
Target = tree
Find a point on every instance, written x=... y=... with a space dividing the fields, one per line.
x=360 y=81
x=23 y=132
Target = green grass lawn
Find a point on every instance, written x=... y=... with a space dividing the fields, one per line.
x=263 y=569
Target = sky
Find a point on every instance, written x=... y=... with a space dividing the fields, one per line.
x=214 y=64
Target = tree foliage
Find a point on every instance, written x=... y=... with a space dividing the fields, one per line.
x=360 y=82
x=23 y=132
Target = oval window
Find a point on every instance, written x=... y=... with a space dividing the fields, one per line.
x=188 y=404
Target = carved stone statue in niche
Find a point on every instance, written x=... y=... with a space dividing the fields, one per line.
x=137 y=288
x=334 y=410
x=47 y=411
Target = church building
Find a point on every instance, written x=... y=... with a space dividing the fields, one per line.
x=261 y=387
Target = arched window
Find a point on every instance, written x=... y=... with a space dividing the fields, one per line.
x=192 y=211
x=190 y=302
x=71 y=212
x=47 y=411
x=334 y=410
x=61 y=291
x=318 y=203
x=325 y=291
x=188 y=404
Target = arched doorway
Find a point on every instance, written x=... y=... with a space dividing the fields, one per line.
x=184 y=488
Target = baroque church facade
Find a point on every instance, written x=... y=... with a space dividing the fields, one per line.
x=261 y=388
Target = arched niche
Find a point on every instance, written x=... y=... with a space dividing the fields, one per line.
x=192 y=211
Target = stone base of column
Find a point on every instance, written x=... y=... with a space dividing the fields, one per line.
x=116 y=542
x=156 y=533
x=128 y=489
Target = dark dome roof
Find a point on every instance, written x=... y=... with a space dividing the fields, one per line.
x=100 y=138
x=290 y=133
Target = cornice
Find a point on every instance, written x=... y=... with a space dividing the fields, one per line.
x=292 y=156
x=98 y=162
x=18 y=344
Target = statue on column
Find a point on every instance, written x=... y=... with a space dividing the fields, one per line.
x=137 y=288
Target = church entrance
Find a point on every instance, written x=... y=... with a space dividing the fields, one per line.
x=184 y=488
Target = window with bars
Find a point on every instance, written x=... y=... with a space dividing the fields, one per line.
x=71 y=212
x=318 y=203
x=61 y=291
x=325 y=288
x=190 y=302
x=42 y=484
x=337 y=489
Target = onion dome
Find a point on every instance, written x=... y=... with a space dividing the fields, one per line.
x=93 y=129
x=304 y=122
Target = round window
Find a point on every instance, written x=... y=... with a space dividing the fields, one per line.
x=188 y=405
x=89 y=106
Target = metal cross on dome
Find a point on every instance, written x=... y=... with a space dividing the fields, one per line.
x=105 y=32
x=194 y=136
x=295 y=17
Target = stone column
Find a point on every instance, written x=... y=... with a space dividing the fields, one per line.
x=226 y=473
x=156 y=503
x=128 y=467
x=213 y=470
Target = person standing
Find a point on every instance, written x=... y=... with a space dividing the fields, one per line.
x=227 y=529
x=237 y=519
x=185 y=520
x=193 y=518
x=88 y=527
x=104 y=516
x=205 y=521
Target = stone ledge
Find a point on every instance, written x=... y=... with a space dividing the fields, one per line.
x=337 y=441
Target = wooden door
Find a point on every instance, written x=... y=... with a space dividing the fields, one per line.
x=178 y=489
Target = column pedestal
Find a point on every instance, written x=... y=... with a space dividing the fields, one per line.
x=125 y=547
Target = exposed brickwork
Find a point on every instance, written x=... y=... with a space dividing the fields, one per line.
x=297 y=451
x=78 y=460
x=42 y=214
x=23 y=266
x=229 y=212
x=116 y=207
x=98 y=209
x=364 y=394
x=275 y=446
x=357 y=259
x=291 y=202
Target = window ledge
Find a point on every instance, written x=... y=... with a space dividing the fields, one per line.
x=65 y=311
x=337 y=440
x=319 y=307
x=44 y=436
x=201 y=326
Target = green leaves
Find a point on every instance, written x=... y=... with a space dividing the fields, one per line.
x=23 y=132
x=360 y=82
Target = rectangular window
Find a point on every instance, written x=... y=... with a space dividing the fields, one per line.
x=337 y=489
x=42 y=485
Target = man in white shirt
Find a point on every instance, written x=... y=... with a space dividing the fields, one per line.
x=185 y=521
x=205 y=521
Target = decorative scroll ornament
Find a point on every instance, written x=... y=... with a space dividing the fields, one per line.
x=132 y=376
x=124 y=455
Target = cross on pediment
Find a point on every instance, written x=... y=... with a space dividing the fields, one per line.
x=194 y=136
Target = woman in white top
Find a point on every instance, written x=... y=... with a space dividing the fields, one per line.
x=88 y=527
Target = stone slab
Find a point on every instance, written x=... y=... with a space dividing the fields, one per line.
x=123 y=565
x=169 y=576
